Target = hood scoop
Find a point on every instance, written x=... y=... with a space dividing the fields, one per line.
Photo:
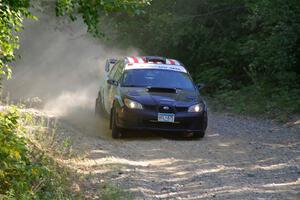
x=162 y=90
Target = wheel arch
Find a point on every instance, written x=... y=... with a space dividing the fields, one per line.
x=116 y=102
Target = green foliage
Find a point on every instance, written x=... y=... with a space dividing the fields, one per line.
x=277 y=103
x=233 y=46
x=91 y=11
x=274 y=46
x=12 y=14
x=24 y=172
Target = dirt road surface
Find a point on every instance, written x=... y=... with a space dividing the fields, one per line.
x=240 y=158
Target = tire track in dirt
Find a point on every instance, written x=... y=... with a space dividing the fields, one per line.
x=240 y=158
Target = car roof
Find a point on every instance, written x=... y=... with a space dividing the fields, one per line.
x=153 y=62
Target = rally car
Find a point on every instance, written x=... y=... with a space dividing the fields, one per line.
x=151 y=93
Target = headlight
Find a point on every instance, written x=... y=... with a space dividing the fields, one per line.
x=196 y=108
x=132 y=104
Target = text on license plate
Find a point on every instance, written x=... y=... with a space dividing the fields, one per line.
x=166 y=117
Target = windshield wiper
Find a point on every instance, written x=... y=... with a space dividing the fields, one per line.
x=178 y=88
x=131 y=86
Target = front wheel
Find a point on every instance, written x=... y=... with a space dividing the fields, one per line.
x=115 y=130
x=198 y=134
x=99 y=110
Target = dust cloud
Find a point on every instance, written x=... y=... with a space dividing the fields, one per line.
x=62 y=65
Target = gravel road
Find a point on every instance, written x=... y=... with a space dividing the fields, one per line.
x=240 y=158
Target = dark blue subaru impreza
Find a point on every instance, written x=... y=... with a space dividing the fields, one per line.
x=151 y=93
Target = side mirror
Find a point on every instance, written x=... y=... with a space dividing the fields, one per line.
x=112 y=82
x=110 y=62
x=200 y=86
x=107 y=67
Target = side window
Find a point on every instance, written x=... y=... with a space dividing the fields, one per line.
x=118 y=73
x=113 y=70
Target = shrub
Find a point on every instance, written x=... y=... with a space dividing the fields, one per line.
x=25 y=173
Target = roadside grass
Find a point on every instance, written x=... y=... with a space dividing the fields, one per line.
x=275 y=103
x=29 y=147
x=27 y=172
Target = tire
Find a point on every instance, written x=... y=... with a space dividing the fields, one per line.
x=201 y=134
x=205 y=121
x=96 y=107
x=198 y=134
x=115 y=130
x=99 y=110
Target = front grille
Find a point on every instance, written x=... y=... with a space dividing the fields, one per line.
x=182 y=109
x=150 y=107
x=164 y=125
x=166 y=109
x=162 y=110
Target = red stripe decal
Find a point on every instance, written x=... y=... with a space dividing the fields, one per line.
x=135 y=59
x=172 y=62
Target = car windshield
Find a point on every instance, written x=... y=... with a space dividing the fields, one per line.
x=157 y=78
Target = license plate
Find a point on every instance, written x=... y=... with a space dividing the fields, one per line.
x=166 y=117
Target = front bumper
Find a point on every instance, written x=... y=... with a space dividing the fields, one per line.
x=147 y=120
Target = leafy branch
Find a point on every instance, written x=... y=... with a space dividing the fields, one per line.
x=12 y=14
x=92 y=10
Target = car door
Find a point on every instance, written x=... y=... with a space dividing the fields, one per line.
x=117 y=77
x=107 y=88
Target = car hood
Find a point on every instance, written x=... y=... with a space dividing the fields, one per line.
x=179 y=98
